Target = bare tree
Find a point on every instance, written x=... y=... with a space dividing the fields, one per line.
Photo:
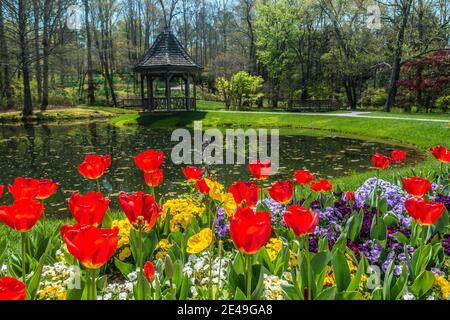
x=90 y=72
x=6 y=88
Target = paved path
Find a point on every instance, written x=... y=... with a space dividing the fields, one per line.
x=353 y=114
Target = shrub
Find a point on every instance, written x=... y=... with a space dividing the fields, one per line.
x=443 y=103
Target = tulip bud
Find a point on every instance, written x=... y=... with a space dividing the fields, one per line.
x=168 y=267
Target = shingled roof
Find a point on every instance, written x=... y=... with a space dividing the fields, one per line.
x=166 y=53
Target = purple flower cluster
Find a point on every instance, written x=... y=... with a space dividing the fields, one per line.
x=393 y=194
x=222 y=225
x=371 y=250
x=277 y=210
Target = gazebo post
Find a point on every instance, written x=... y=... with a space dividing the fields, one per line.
x=150 y=91
x=186 y=92
x=142 y=91
x=167 y=91
x=195 y=92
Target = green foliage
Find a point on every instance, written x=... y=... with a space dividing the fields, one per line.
x=443 y=103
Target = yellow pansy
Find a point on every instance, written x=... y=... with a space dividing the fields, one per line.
x=200 y=241
x=444 y=286
x=124 y=254
x=180 y=221
x=162 y=247
x=273 y=248
x=124 y=232
x=215 y=190
x=229 y=204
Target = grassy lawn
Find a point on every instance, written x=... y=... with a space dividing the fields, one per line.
x=420 y=135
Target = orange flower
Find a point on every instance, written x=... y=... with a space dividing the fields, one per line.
x=89 y=209
x=380 y=161
x=245 y=192
x=22 y=215
x=424 y=211
x=92 y=246
x=24 y=188
x=282 y=191
x=416 y=186
x=398 y=155
x=260 y=169
x=303 y=176
x=94 y=166
x=301 y=220
x=154 y=178
x=149 y=270
x=46 y=189
x=250 y=230
x=12 y=289
x=441 y=153
x=192 y=173
x=323 y=185
x=149 y=161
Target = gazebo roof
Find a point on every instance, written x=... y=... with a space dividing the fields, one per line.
x=166 y=53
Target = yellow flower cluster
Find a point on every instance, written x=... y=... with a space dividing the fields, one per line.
x=273 y=248
x=180 y=221
x=444 y=286
x=124 y=232
x=200 y=241
x=183 y=205
x=162 y=247
x=329 y=279
x=293 y=261
x=215 y=190
x=54 y=292
x=229 y=205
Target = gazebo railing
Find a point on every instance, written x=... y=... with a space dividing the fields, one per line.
x=160 y=104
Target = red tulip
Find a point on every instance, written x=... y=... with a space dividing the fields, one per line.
x=92 y=246
x=149 y=161
x=154 y=178
x=349 y=196
x=424 y=211
x=202 y=187
x=441 y=153
x=250 y=230
x=245 y=192
x=89 y=209
x=398 y=155
x=282 y=191
x=94 y=166
x=303 y=176
x=2 y=188
x=12 y=289
x=149 y=270
x=24 y=188
x=22 y=215
x=192 y=173
x=141 y=209
x=416 y=186
x=301 y=220
x=260 y=169
x=46 y=189
x=380 y=161
x=323 y=185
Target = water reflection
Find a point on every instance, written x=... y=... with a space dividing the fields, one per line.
x=54 y=152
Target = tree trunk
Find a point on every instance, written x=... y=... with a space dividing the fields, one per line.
x=23 y=41
x=395 y=72
x=91 y=85
x=6 y=88
x=37 y=66
x=46 y=53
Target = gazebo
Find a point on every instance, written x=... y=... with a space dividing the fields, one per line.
x=167 y=59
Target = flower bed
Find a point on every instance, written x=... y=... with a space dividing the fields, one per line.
x=299 y=239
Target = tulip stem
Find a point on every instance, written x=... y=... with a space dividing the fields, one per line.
x=92 y=285
x=308 y=264
x=99 y=188
x=24 y=254
x=249 y=277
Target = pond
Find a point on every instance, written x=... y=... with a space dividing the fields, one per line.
x=54 y=151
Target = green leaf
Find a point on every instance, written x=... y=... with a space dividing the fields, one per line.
x=124 y=268
x=378 y=229
x=239 y=295
x=422 y=284
x=341 y=271
x=327 y=294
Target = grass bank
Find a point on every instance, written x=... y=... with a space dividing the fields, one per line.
x=418 y=134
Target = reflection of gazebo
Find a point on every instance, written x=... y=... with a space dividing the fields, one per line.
x=167 y=59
